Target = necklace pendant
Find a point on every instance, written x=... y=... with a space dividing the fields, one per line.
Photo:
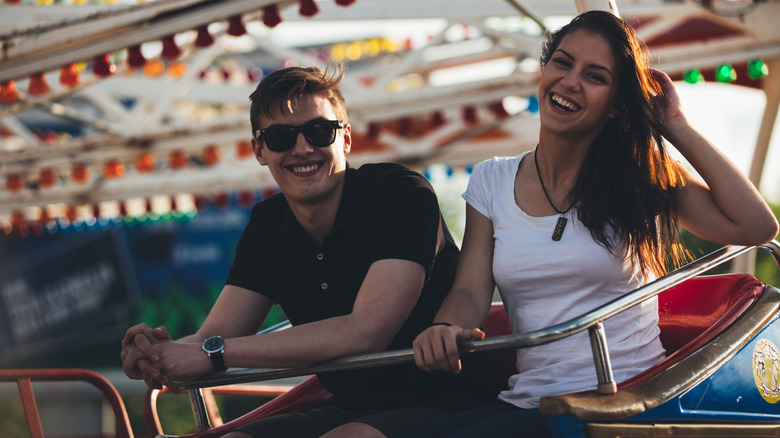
x=559 y=226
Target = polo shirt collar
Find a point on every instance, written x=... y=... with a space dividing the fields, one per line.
x=348 y=207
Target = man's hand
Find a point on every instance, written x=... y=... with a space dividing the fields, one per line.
x=139 y=355
x=181 y=361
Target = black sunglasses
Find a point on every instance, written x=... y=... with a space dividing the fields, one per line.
x=281 y=138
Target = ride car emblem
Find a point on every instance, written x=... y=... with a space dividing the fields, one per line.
x=766 y=370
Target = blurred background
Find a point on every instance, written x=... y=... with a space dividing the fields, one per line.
x=127 y=169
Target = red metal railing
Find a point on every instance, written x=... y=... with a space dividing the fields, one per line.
x=152 y=417
x=24 y=379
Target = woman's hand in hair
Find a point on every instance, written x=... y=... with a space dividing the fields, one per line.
x=436 y=348
x=672 y=115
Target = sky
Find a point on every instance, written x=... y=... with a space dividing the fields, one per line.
x=730 y=117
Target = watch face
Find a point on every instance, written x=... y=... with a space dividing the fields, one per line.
x=213 y=344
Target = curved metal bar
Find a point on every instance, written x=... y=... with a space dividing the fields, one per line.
x=576 y=325
x=25 y=377
x=519 y=340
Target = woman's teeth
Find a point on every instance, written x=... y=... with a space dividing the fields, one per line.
x=564 y=104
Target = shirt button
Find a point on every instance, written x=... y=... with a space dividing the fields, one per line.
x=324 y=286
x=320 y=256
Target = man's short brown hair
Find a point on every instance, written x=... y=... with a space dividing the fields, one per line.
x=284 y=87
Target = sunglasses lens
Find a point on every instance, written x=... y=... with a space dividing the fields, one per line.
x=320 y=134
x=280 y=139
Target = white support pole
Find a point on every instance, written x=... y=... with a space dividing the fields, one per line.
x=771 y=85
x=590 y=5
x=772 y=90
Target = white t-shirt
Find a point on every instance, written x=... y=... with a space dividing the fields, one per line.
x=543 y=282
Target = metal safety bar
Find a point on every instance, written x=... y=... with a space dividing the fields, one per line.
x=591 y=321
x=598 y=343
x=199 y=409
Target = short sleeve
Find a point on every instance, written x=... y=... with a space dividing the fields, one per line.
x=476 y=194
x=407 y=221
x=249 y=266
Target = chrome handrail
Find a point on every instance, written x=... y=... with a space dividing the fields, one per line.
x=591 y=321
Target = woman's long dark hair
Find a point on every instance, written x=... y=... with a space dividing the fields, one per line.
x=627 y=183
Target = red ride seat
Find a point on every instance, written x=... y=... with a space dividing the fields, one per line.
x=497 y=324
x=692 y=313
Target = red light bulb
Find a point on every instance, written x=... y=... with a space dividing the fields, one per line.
x=246 y=198
x=221 y=201
x=8 y=93
x=170 y=50
x=499 y=111
x=177 y=159
x=374 y=129
x=204 y=38
x=47 y=178
x=38 y=84
x=437 y=119
x=200 y=203
x=470 y=115
x=69 y=75
x=79 y=173
x=211 y=155
x=244 y=149
x=271 y=15
x=14 y=182
x=144 y=163
x=113 y=169
x=236 y=26
x=308 y=8
x=103 y=66
x=406 y=126
x=134 y=56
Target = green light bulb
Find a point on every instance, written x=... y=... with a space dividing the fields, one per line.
x=757 y=69
x=725 y=73
x=693 y=77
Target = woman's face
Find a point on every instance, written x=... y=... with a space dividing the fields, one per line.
x=578 y=86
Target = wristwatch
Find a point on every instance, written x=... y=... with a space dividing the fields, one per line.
x=214 y=347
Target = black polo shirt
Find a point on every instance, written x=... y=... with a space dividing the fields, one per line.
x=386 y=211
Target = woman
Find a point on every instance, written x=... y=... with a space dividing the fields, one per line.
x=589 y=215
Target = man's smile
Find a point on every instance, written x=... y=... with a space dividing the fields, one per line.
x=304 y=168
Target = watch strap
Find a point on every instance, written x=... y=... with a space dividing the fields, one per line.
x=217 y=362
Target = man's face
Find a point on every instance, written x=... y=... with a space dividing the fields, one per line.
x=306 y=174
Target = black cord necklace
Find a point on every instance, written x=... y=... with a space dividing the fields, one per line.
x=561 y=224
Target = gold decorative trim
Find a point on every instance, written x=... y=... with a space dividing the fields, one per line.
x=682 y=430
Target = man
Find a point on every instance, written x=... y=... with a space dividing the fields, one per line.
x=359 y=260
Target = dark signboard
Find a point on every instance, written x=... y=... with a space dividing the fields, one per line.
x=79 y=289
x=66 y=290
